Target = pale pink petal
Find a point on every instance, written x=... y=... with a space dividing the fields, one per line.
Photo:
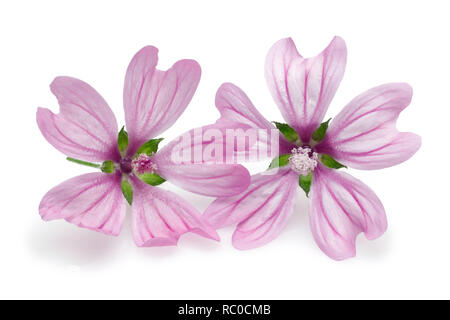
x=364 y=135
x=93 y=201
x=261 y=211
x=340 y=208
x=154 y=99
x=304 y=88
x=159 y=217
x=85 y=128
x=234 y=105
x=207 y=179
x=225 y=142
x=241 y=134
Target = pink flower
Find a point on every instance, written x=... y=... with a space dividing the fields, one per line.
x=86 y=129
x=362 y=136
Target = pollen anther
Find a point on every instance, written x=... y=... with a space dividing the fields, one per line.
x=143 y=164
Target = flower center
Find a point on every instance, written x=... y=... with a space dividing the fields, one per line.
x=125 y=165
x=143 y=164
x=303 y=160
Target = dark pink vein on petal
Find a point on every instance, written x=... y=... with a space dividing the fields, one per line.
x=143 y=219
x=155 y=98
x=359 y=135
x=342 y=207
x=236 y=203
x=148 y=74
x=322 y=84
x=161 y=217
x=273 y=216
x=73 y=142
x=87 y=131
x=115 y=206
x=324 y=215
x=172 y=99
x=95 y=203
x=78 y=194
x=180 y=213
x=93 y=114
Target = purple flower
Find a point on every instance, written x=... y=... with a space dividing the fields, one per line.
x=86 y=130
x=362 y=136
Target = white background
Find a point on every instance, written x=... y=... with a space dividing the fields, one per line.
x=387 y=41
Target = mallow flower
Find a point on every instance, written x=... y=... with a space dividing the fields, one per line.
x=129 y=165
x=311 y=152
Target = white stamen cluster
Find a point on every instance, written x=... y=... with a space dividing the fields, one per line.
x=303 y=160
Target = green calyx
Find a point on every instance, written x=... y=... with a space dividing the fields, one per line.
x=319 y=134
x=288 y=132
x=280 y=161
x=305 y=182
x=144 y=164
x=127 y=190
x=122 y=141
x=330 y=162
x=108 y=166
x=150 y=147
x=152 y=179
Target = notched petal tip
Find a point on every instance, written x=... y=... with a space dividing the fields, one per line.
x=191 y=65
x=58 y=81
x=401 y=91
x=41 y=115
x=223 y=90
x=341 y=207
x=303 y=88
x=339 y=42
x=148 y=51
x=283 y=44
x=364 y=134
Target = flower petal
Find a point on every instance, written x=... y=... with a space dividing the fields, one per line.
x=207 y=179
x=234 y=105
x=261 y=211
x=93 y=201
x=340 y=208
x=160 y=217
x=154 y=99
x=363 y=135
x=304 y=88
x=85 y=128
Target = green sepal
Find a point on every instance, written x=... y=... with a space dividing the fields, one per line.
x=108 y=166
x=330 y=162
x=288 y=132
x=151 y=178
x=319 y=134
x=305 y=182
x=150 y=147
x=122 y=140
x=280 y=161
x=127 y=191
